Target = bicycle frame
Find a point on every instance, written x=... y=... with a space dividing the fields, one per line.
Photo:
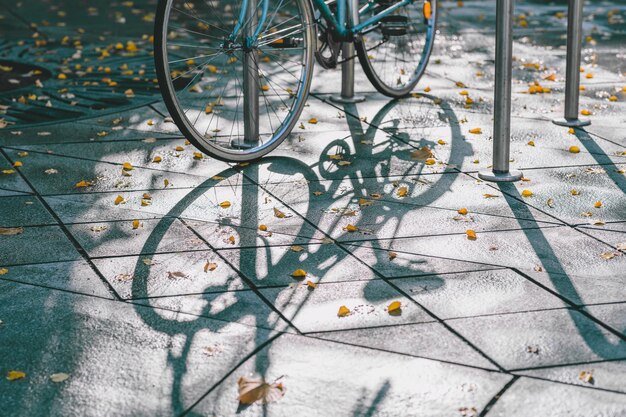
x=343 y=31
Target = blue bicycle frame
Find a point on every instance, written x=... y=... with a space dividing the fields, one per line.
x=338 y=21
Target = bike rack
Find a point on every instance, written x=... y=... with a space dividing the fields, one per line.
x=500 y=171
x=572 y=80
x=347 y=67
x=502 y=101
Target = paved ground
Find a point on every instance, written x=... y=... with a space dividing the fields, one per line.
x=526 y=320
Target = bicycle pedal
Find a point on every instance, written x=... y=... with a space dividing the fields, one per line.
x=394 y=25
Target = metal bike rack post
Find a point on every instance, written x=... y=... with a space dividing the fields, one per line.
x=500 y=171
x=572 y=72
x=347 y=67
x=250 y=82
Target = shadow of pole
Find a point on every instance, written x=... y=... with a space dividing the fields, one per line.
x=588 y=328
x=602 y=158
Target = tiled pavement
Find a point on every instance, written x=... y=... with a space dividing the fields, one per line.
x=500 y=326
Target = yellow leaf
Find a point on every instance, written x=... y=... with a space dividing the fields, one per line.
x=471 y=234
x=394 y=308
x=586 y=377
x=13 y=375
x=197 y=155
x=574 y=149
x=136 y=224
x=256 y=390
x=17 y=164
x=613 y=98
x=224 y=204
x=551 y=77
x=462 y=211
x=351 y=228
x=296 y=248
x=208 y=109
x=210 y=266
x=4 y=271
x=157 y=159
x=263 y=228
x=166 y=182
x=571 y=131
x=586 y=112
x=430 y=161
x=22 y=154
x=598 y=204
x=490 y=196
x=217 y=178
x=531 y=143
x=279 y=213
x=441 y=142
x=83 y=183
x=313 y=121
x=527 y=193
x=575 y=192
x=336 y=157
x=119 y=200
x=265 y=87
x=343 y=311
x=311 y=285
x=476 y=131
x=403 y=191
x=179 y=149
x=127 y=166
x=299 y=273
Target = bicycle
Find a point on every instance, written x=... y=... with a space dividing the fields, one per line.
x=235 y=75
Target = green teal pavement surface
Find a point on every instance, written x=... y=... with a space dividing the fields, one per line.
x=139 y=292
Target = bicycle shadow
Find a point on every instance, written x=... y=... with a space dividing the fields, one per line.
x=273 y=319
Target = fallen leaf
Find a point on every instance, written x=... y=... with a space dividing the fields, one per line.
x=462 y=211
x=550 y=202
x=527 y=193
x=136 y=224
x=11 y=231
x=351 y=228
x=598 y=204
x=476 y=131
x=13 y=375
x=394 y=308
x=490 y=196
x=586 y=376
x=621 y=246
x=197 y=155
x=263 y=228
x=4 y=271
x=403 y=191
x=296 y=248
x=343 y=311
x=311 y=285
x=224 y=204
x=609 y=255
x=586 y=112
x=344 y=163
x=119 y=200
x=313 y=121
x=210 y=266
x=279 y=213
x=176 y=274
x=157 y=159
x=575 y=192
x=60 y=377
x=392 y=255
x=574 y=149
x=82 y=184
x=256 y=390
x=430 y=161
x=422 y=154
x=127 y=166
x=471 y=234
x=299 y=273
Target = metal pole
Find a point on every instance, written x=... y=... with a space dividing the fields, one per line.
x=572 y=72
x=502 y=101
x=250 y=82
x=347 y=67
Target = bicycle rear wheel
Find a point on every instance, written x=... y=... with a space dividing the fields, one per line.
x=233 y=95
x=394 y=55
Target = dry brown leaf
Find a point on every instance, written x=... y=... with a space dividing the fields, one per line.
x=586 y=376
x=60 y=377
x=422 y=154
x=210 y=266
x=296 y=248
x=392 y=255
x=11 y=231
x=256 y=390
x=176 y=275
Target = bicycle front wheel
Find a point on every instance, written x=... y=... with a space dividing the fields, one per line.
x=394 y=54
x=234 y=74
